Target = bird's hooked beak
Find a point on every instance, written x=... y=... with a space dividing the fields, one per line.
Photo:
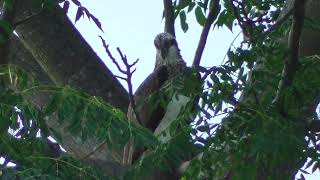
x=164 y=52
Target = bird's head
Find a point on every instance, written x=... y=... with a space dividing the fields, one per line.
x=167 y=49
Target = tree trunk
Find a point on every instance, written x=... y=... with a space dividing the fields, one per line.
x=64 y=55
x=55 y=53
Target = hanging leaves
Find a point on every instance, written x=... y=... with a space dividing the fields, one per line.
x=5 y=30
x=66 y=6
x=183 y=23
x=200 y=17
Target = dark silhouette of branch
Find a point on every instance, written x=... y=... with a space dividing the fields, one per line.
x=169 y=17
x=213 y=13
x=246 y=24
x=127 y=72
x=292 y=61
x=277 y=24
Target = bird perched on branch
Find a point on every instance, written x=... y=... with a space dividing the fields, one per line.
x=169 y=64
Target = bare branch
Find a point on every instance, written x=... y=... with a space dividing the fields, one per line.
x=291 y=63
x=213 y=13
x=126 y=72
x=169 y=17
x=129 y=82
x=122 y=78
x=134 y=63
x=106 y=47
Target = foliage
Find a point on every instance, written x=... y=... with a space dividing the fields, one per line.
x=86 y=117
x=256 y=138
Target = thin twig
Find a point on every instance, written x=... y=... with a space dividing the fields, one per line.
x=128 y=72
x=213 y=13
x=291 y=63
x=246 y=26
x=208 y=72
x=106 y=47
x=122 y=78
x=169 y=17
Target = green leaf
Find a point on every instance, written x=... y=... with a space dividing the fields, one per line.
x=6 y=27
x=66 y=6
x=201 y=19
x=191 y=6
x=184 y=3
x=218 y=108
x=309 y=164
x=96 y=21
x=76 y=2
x=225 y=18
x=8 y=4
x=203 y=128
x=3 y=38
x=204 y=5
x=79 y=14
x=4 y=124
x=315 y=167
x=183 y=23
x=53 y=104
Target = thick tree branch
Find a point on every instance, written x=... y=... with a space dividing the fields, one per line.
x=292 y=61
x=213 y=13
x=39 y=33
x=68 y=60
x=169 y=17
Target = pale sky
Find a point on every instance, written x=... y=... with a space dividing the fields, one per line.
x=132 y=26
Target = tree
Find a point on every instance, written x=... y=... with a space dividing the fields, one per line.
x=270 y=132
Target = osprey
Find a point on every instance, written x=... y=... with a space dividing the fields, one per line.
x=169 y=63
x=168 y=52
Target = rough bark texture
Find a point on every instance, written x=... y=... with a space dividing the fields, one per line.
x=103 y=158
x=65 y=56
x=18 y=55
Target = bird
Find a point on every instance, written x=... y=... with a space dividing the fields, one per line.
x=169 y=63
x=167 y=50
